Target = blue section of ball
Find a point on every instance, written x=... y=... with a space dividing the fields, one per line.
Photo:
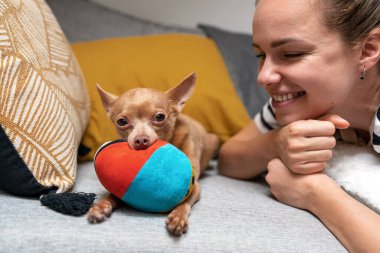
x=162 y=183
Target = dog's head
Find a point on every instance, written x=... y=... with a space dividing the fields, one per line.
x=144 y=115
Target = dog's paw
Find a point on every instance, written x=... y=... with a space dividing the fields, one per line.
x=99 y=212
x=177 y=221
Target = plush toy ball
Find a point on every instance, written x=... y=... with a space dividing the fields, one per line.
x=156 y=179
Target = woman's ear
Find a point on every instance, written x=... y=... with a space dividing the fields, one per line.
x=371 y=49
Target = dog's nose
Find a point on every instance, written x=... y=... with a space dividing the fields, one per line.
x=141 y=142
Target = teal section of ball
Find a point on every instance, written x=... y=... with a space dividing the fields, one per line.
x=163 y=181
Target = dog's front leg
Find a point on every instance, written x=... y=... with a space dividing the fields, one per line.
x=102 y=209
x=178 y=219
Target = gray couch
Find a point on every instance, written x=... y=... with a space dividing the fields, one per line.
x=232 y=215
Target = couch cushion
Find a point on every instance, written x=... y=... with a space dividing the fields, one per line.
x=161 y=62
x=88 y=21
x=242 y=65
x=44 y=105
x=231 y=216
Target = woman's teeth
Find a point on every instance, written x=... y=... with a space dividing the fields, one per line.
x=286 y=97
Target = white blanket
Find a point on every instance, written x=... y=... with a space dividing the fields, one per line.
x=357 y=170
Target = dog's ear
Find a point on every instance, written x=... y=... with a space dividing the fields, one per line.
x=182 y=92
x=107 y=98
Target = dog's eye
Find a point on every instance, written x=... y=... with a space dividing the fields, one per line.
x=159 y=117
x=122 y=122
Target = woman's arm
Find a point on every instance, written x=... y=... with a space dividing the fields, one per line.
x=246 y=154
x=356 y=226
x=304 y=146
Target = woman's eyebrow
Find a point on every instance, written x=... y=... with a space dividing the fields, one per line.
x=282 y=42
x=278 y=43
x=255 y=45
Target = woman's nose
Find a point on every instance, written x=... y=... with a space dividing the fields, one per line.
x=268 y=73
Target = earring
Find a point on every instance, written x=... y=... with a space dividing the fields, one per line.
x=362 y=75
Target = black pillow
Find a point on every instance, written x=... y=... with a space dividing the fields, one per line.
x=242 y=63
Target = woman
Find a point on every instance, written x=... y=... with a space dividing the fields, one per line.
x=320 y=66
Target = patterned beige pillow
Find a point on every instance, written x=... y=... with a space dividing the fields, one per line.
x=44 y=105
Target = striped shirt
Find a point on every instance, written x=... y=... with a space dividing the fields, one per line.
x=375 y=131
x=266 y=120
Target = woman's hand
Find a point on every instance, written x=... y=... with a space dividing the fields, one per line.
x=355 y=225
x=306 y=145
x=294 y=189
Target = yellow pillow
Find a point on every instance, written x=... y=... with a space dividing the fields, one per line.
x=160 y=61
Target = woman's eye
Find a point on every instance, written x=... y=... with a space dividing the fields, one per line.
x=261 y=56
x=293 y=55
x=159 y=117
x=122 y=122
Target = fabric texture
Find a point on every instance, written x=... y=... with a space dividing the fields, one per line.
x=69 y=203
x=231 y=216
x=242 y=65
x=375 y=131
x=160 y=62
x=15 y=177
x=44 y=105
x=87 y=21
x=163 y=182
x=357 y=170
x=266 y=119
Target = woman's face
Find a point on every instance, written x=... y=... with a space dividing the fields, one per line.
x=305 y=67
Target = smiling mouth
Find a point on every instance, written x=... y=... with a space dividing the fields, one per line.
x=287 y=97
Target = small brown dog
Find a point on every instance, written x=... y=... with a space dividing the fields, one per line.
x=143 y=116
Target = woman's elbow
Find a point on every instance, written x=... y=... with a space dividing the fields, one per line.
x=225 y=161
x=229 y=164
x=236 y=163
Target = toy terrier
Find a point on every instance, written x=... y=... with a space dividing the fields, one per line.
x=142 y=116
